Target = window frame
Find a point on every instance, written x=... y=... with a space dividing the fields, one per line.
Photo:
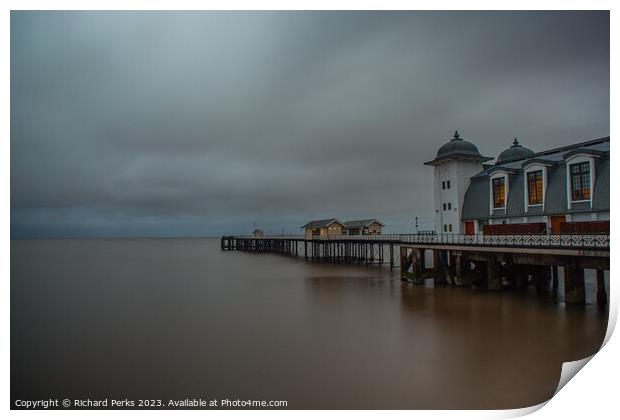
x=582 y=176
x=574 y=160
x=503 y=176
x=527 y=170
x=533 y=178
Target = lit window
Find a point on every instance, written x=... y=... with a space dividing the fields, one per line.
x=580 y=181
x=534 y=188
x=499 y=191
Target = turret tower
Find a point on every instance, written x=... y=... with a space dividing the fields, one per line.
x=456 y=162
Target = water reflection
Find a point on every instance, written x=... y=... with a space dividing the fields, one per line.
x=181 y=319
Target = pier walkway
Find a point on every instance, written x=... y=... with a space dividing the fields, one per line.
x=491 y=262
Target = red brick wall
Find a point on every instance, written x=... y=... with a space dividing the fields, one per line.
x=585 y=227
x=514 y=229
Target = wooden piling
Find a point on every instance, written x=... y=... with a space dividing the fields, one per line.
x=494 y=281
x=601 y=292
x=574 y=285
x=417 y=266
x=542 y=280
x=554 y=281
x=404 y=264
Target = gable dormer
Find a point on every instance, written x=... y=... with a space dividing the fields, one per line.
x=499 y=184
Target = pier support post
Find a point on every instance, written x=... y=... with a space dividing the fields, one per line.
x=520 y=276
x=494 y=281
x=422 y=259
x=438 y=266
x=542 y=280
x=417 y=265
x=403 y=263
x=601 y=293
x=457 y=261
x=452 y=259
x=574 y=285
x=466 y=271
x=554 y=281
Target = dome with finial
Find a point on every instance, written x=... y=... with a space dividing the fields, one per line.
x=514 y=152
x=458 y=149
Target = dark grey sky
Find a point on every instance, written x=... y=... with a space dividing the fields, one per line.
x=202 y=123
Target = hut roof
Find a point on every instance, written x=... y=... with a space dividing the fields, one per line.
x=313 y=224
x=353 y=224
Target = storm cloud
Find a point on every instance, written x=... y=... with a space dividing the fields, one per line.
x=203 y=123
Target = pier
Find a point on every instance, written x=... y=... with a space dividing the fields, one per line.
x=489 y=262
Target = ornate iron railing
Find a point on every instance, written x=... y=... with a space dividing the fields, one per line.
x=585 y=241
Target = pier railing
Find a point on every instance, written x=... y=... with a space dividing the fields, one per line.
x=517 y=240
x=586 y=241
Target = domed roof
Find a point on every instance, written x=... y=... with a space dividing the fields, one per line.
x=457 y=148
x=514 y=152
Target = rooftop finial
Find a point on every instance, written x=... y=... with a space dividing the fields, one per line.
x=456 y=135
x=516 y=142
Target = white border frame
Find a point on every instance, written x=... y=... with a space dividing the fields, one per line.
x=593 y=394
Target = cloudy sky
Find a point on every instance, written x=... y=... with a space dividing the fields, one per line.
x=203 y=123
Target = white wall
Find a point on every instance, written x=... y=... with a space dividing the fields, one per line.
x=459 y=174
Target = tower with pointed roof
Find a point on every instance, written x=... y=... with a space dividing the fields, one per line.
x=456 y=162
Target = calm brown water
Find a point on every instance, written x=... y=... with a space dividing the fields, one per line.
x=178 y=318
